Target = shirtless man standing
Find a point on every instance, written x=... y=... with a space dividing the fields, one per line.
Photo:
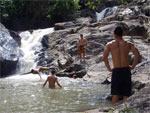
x=81 y=47
x=52 y=80
x=121 y=71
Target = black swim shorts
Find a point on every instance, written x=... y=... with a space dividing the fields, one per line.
x=121 y=81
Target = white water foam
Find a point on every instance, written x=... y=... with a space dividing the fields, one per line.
x=31 y=43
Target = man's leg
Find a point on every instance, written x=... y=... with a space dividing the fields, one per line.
x=80 y=54
x=115 y=99
x=84 y=55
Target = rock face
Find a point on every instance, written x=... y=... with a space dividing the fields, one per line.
x=15 y=36
x=9 y=53
x=63 y=41
x=62 y=45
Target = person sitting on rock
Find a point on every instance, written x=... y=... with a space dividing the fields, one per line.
x=52 y=80
x=82 y=43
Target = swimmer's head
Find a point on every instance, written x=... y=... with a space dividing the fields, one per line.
x=32 y=70
x=53 y=72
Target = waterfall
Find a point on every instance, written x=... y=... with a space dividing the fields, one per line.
x=106 y=12
x=30 y=45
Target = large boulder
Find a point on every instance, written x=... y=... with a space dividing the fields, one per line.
x=60 y=26
x=9 y=53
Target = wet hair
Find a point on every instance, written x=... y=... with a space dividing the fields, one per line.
x=32 y=70
x=118 y=31
x=53 y=72
x=81 y=35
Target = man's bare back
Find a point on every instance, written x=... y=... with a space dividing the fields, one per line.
x=121 y=70
x=119 y=50
x=52 y=80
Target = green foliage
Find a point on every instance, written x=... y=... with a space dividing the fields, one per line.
x=92 y=4
x=123 y=2
x=126 y=110
x=10 y=8
x=52 y=9
x=61 y=8
x=127 y=1
x=112 y=109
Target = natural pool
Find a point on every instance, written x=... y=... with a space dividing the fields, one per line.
x=25 y=94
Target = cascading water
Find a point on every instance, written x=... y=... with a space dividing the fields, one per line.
x=30 y=44
x=106 y=12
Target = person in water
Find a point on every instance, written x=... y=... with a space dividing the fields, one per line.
x=52 y=80
x=74 y=76
x=82 y=43
x=34 y=71
x=121 y=71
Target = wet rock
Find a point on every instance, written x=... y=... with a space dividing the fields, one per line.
x=106 y=82
x=139 y=102
x=64 y=75
x=77 y=69
x=105 y=109
x=65 y=61
x=44 y=41
x=137 y=85
x=147 y=10
x=15 y=36
x=60 y=26
x=7 y=67
x=80 y=73
x=9 y=52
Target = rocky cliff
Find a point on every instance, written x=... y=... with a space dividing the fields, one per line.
x=9 y=51
x=62 y=49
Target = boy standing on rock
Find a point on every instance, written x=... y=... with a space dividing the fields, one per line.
x=121 y=71
x=82 y=43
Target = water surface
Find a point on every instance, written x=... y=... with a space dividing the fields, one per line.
x=24 y=94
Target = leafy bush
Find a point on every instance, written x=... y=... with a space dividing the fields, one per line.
x=61 y=8
x=53 y=10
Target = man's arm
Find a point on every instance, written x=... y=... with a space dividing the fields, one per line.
x=45 y=82
x=58 y=83
x=136 y=56
x=106 y=53
x=39 y=75
x=26 y=73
